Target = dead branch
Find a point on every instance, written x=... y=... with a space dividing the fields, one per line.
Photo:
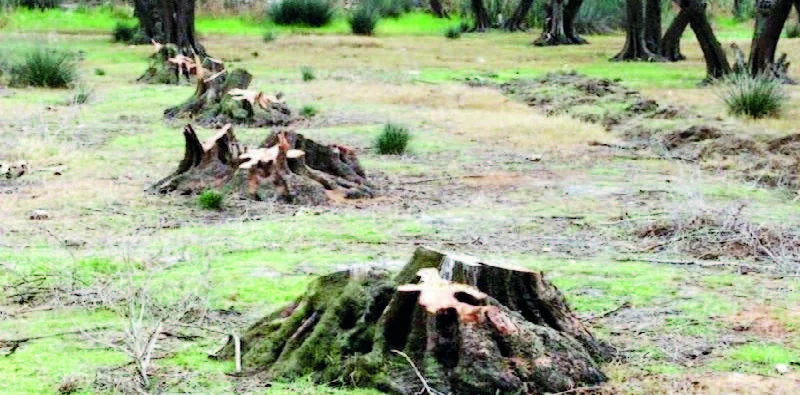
x=424 y=382
x=14 y=344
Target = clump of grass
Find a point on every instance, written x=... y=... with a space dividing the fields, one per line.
x=393 y=140
x=753 y=96
x=99 y=71
x=314 y=13
x=307 y=73
x=123 y=32
x=793 y=30
x=269 y=36
x=82 y=94
x=453 y=32
x=45 y=68
x=210 y=200
x=363 y=20
x=309 y=111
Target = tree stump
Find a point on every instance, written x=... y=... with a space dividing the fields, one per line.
x=287 y=168
x=222 y=98
x=445 y=323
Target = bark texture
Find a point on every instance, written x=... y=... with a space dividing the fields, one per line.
x=716 y=61
x=636 y=47
x=222 y=97
x=438 y=9
x=559 y=25
x=671 y=42
x=652 y=25
x=517 y=20
x=482 y=20
x=771 y=15
x=469 y=327
x=170 y=25
x=287 y=168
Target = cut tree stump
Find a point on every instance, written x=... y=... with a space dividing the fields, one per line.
x=465 y=326
x=288 y=167
x=222 y=98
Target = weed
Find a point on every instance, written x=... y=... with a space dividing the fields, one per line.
x=123 y=32
x=269 y=36
x=314 y=13
x=45 y=68
x=753 y=96
x=392 y=140
x=363 y=20
x=307 y=73
x=99 y=71
x=210 y=200
x=792 y=30
x=309 y=111
x=453 y=32
x=81 y=95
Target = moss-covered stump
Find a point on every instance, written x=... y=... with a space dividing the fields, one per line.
x=223 y=98
x=288 y=167
x=468 y=328
x=170 y=64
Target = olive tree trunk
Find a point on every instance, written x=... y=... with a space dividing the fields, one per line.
x=716 y=61
x=559 y=26
x=771 y=16
x=652 y=25
x=482 y=20
x=517 y=20
x=636 y=47
x=671 y=42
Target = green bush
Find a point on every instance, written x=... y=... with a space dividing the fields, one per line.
x=210 y=200
x=754 y=97
x=309 y=111
x=392 y=140
x=453 y=32
x=792 y=30
x=307 y=73
x=123 y=32
x=46 y=68
x=99 y=71
x=390 y=8
x=363 y=20
x=314 y=13
x=269 y=36
x=40 y=4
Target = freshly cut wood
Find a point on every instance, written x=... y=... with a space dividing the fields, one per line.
x=287 y=167
x=465 y=326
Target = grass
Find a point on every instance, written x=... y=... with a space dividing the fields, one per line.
x=210 y=200
x=363 y=20
x=44 y=67
x=309 y=111
x=754 y=97
x=453 y=32
x=307 y=74
x=392 y=140
x=311 y=13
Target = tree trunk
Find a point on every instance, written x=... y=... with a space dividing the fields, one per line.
x=652 y=25
x=559 y=26
x=716 y=61
x=438 y=9
x=287 y=168
x=635 y=47
x=466 y=327
x=517 y=20
x=170 y=25
x=482 y=21
x=737 y=10
x=770 y=18
x=671 y=43
x=222 y=97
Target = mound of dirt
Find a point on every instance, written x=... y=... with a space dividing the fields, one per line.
x=444 y=324
x=672 y=132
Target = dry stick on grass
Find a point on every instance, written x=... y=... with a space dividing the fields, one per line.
x=425 y=386
x=16 y=343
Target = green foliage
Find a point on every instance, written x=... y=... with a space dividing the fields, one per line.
x=390 y=8
x=393 y=140
x=307 y=73
x=39 y=4
x=210 y=200
x=753 y=96
x=792 y=30
x=453 y=32
x=123 y=32
x=309 y=111
x=269 y=36
x=45 y=68
x=99 y=71
x=364 y=19
x=600 y=17
x=314 y=13
x=82 y=94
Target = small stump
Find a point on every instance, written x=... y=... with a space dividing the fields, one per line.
x=222 y=98
x=287 y=167
x=464 y=326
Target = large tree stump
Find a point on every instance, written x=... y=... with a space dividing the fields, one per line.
x=222 y=98
x=287 y=167
x=465 y=326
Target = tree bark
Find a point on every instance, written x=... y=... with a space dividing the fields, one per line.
x=770 y=18
x=465 y=326
x=635 y=47
x=716 y=61
x=652 y=25
x=671 y=42
x=438 y=9
x=482 y=21
x=287 y=168
x=559 y=26
x=517 y=20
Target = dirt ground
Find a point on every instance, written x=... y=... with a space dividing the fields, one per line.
x=679 y=255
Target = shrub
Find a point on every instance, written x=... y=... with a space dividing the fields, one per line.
x=210 y=200
x=755 y=97
x=600 y=17
x=314 y=13
x=308 y=111
x=390 y=8
x=392 y=140
x=269 y=36
x=40 y=4
x=793 y=30
x=363 y=20
x=307 y=73
x=99 y=71
x=81 y=95
x=46 y=68
x=453 y=32
x=123 y=32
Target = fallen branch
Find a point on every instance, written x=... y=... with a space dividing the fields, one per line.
x=425 y=385
x=16 y=343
